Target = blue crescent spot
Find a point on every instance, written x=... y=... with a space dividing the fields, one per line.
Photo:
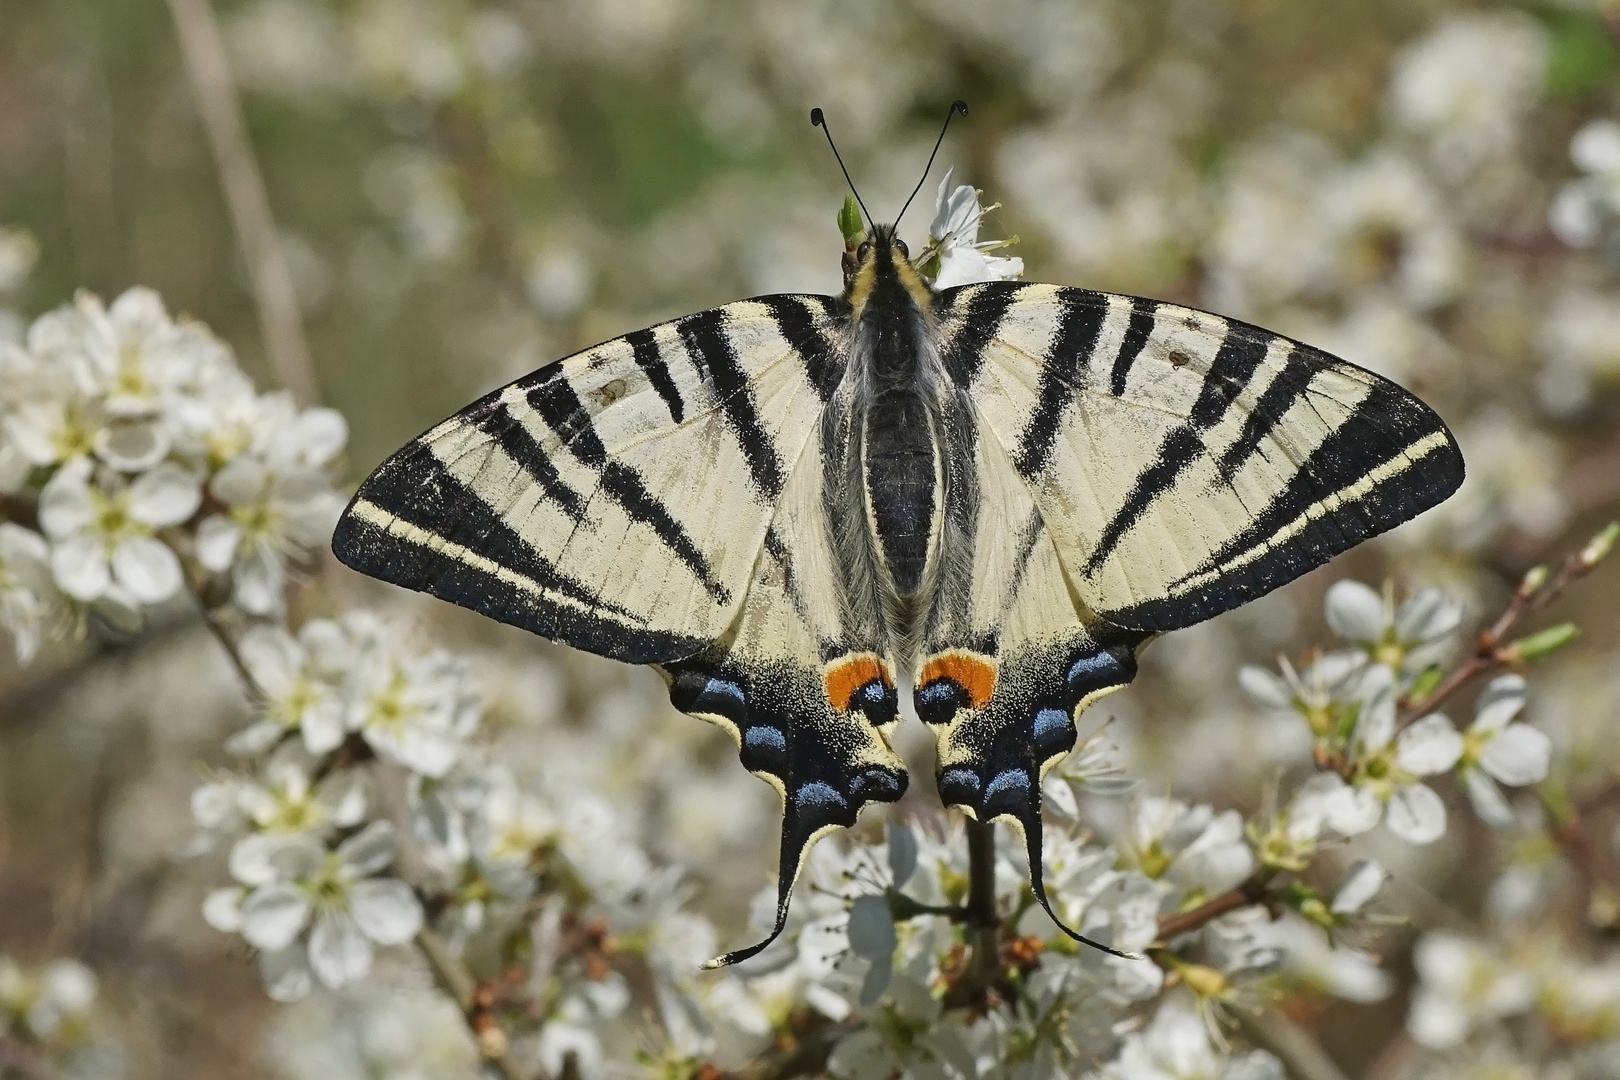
x=818 y=795
x=1007 y=780
x=1092 y=666
x=1048 y=721
x=725 y=688
x=966 y=777
x=765 y=737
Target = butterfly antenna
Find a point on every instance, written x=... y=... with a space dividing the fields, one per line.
x=817 y=119
x=957 y=106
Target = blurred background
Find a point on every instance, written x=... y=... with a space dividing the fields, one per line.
x=464 y=191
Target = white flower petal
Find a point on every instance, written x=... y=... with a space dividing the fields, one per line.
x=871 y=928
x=1265 y=688
x=222 y=909
x=322 y=433
x=132 y=445
x=1489 y=804
x=1417 y=815
x=386 y=910
x=1499 y=703
x=1376 y=724
x=79 y=566
x=322 y=727
x=218 y=538
x=254 y=739
x=147 y=568
x=1436 y=1022
x=1426 y=616
x=1355 y=612
x=1429 y=746
x=369 y=850
x=339 y=953
x=286 y=973
x=260 y=579
x=273 y=657
x=274 y=914
x=1351 y=811
x=1361 y=883
x=250 y=859
x=1517 y=755
x=167 y=495
x=65 y=506
x=240 y=482
x=1058 y=794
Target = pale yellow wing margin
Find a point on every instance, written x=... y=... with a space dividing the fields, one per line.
x=1185 y=463
x=614 y=501
x=801 y=683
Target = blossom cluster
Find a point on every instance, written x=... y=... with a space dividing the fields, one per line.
x=156 y=467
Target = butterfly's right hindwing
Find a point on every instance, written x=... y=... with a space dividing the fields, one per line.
x=616 y=500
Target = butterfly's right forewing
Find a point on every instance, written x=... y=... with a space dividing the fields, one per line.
x=616 y=500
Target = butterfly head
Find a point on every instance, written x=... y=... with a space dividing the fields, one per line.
x=880 y=265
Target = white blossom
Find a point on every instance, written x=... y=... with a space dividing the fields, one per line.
x=335 y=897
x=300 y=680
x=27 y=592
x=1498 y=750
x=963 y=257
x=1406 y=639
x=1463 y=984
x=1192 y=846
x=1386 y=779
x=1176 y=1045
x=416 y=710
x=103 y=531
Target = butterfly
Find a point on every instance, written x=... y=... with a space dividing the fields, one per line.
x=998 y=493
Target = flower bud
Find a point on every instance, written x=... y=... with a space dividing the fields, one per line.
x=1597 y=549
x=1542 y=642
x=849 y=222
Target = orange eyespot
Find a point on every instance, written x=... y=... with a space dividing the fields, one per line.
x=849 y=673
x=974 y=673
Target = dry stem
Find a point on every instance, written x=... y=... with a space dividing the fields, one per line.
x=245 y=197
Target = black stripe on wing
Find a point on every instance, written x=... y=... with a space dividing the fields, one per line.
x=977 y=311
x=1384 y=426
x=560 y=407
x=649 y=358
x=416 y=489
x=1064 y=369
x=709 y=344
x=1236 y=361
x=1137 y=332
x=803 y=322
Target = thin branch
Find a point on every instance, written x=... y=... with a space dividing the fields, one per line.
x=1252 y=891
x=1535 y=592
x=454 y=978
x=245 y=196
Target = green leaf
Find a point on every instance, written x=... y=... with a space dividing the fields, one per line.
x=849 y=222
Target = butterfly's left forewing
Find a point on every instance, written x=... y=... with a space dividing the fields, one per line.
x=615 y=500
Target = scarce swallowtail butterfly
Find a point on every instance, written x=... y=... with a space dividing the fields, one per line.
x=996 y=493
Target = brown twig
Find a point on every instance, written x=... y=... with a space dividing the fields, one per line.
x=1252 y=891
x=245 y=198
x=1535 y=592
x=454 y=978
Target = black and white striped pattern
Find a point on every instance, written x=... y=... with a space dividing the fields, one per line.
x=617 y=500
x=1187 y=463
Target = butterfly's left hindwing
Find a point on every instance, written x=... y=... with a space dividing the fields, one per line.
x=615 y=500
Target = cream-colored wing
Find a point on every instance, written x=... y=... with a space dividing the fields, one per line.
x=616 y=500
x=1185 y=463
x=802 y=682
x=1004 y=677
